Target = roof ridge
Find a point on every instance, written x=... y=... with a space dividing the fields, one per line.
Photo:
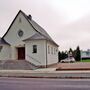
x=30 y=20
x=38 y=25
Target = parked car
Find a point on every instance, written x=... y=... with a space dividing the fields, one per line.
x=68 y=60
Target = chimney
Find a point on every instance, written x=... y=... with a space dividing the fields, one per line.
x=30 y=17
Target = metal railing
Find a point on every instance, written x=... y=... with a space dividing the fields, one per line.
x=34 y=59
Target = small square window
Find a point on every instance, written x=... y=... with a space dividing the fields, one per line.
x=87 y=53
x=34 y=48
x=51 y=50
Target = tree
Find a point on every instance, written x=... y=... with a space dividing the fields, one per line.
x=59 y=56
x=77 y=54
x=62 y=55
x=70 y=50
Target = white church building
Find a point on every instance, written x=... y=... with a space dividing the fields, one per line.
x=26 y=40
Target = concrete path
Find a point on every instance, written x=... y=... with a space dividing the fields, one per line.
x=72 y=66
x=51 y=72
x=46 y=69
x=45 y=74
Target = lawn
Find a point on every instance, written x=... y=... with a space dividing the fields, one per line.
x=87 y=60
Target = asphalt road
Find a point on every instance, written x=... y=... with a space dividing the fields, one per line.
x=44 y=84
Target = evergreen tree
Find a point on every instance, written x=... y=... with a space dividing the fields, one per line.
x=70 y=53
x=70 y=50
x=59 y=56
x=77 y=54
x=62 y=55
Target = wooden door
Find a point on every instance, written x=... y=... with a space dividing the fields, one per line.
x=21 y=53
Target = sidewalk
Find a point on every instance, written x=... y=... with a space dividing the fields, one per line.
x=65 y=70
x=45 y=73
x=46 y=69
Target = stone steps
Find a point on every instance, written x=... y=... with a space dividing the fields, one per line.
x=16 y=65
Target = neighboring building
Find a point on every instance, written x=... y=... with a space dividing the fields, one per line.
x=26 y=40
x=85 y=54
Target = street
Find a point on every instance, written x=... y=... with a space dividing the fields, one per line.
x=43 y=84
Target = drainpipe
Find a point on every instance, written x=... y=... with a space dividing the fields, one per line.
x=46 y=53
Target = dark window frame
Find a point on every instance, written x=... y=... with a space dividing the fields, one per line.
x=51 y=50
x=34 y=48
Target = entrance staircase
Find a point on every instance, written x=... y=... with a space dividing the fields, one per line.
x=16 y=65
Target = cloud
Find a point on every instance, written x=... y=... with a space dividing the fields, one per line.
x=67 y=21
x=75 y=33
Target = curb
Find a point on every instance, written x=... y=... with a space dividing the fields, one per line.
x=45 y=74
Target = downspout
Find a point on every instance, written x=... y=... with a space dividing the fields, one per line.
x=46 y=53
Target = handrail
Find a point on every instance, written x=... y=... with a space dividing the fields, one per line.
x=33 y=59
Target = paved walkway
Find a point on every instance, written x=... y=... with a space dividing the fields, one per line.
x=45 y=74
x=77 y=65
x=51 y=71
x=46 y=69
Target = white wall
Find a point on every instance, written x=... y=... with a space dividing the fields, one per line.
x=15 y=41
x=5 y=53
x=12 y=36
x=85 y=54
x=52 y=57
x=14 y=53
x=41 y=52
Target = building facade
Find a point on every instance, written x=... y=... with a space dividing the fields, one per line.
x=26 y=40
x=85 y=54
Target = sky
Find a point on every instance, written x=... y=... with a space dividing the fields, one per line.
x=66 y=21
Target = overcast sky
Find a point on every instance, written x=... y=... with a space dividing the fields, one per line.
x=66 y=21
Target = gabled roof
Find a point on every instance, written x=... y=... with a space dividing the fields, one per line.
x=2 y=41
x=35 y=26
x=40 y=29
x=36 y=36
